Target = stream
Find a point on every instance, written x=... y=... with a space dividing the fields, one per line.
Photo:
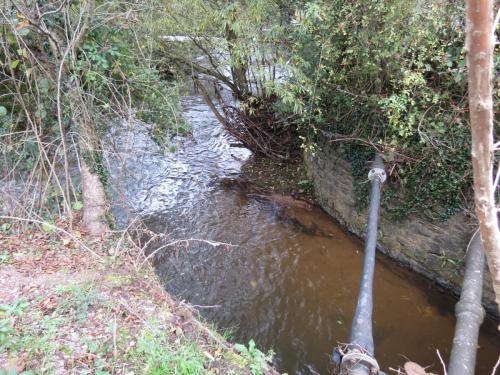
x=286 y=287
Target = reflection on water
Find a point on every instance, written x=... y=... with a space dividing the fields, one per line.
x=289 y=289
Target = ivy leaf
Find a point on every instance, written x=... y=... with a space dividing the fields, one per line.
x=14 y=64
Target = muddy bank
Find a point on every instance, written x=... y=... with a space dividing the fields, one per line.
x=292 y=205
x=285 y=178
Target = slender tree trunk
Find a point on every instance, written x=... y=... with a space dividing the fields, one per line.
x=480 y=47
x=95 y=207
x=238 y=67
x=94 y=202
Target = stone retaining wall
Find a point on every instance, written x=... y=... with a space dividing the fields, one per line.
x=429 y=248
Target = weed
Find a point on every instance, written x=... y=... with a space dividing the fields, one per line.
x=258 y=360
x=5 y=227
x=6 y=332
x=306 y=185
x=16 y=308
x=161 y=357
x=78 y=299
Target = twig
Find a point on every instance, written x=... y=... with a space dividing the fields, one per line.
x=115 y=350
x=496 y=366
x=185 y=241
x=122 y=237
x=442 y=362
x=205 y=306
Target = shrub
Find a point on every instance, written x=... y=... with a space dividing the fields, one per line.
x=388 y=76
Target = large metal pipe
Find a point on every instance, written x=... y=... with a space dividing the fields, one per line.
x=361 y=331
x=469 y=312
x=358 y=358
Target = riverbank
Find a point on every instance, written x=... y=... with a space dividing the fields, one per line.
x=286 y=178
x=70 y=304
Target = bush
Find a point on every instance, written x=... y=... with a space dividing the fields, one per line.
x=388 y=76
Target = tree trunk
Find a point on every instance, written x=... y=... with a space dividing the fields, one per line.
x=95 y=208
x=480 y=46
x=94 y=202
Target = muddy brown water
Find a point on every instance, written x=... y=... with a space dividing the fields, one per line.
x=290 y=288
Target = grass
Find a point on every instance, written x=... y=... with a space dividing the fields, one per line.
x=71 y=313
x=157 y=355
x=37 y=336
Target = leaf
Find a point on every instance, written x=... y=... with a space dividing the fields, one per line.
x=251 y=345
x=240 y=348
x=3 y=111
x=412 y=368
x=22 y=25
x=14 y=64
x=209 y=356
x=24 y=32
x=5 y=227
x=48 y=227
x=40 y=113
x=22 y=52
x=44 y=85
x=77 y=205
x=23 y=28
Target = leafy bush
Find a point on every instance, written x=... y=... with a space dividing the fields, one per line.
x=387 y=76
x=57 y=99
x=121 y=78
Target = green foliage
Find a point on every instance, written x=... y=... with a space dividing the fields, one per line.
x=112 y=71
x=7 y=315
x=5 y=227
x=306 y=185
x=243 y=35
x=160 y=357
x=258 y=360
x=77 y=205
x=389 y=75
x=48 y=226
x=109 y=77
x=5 y=257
